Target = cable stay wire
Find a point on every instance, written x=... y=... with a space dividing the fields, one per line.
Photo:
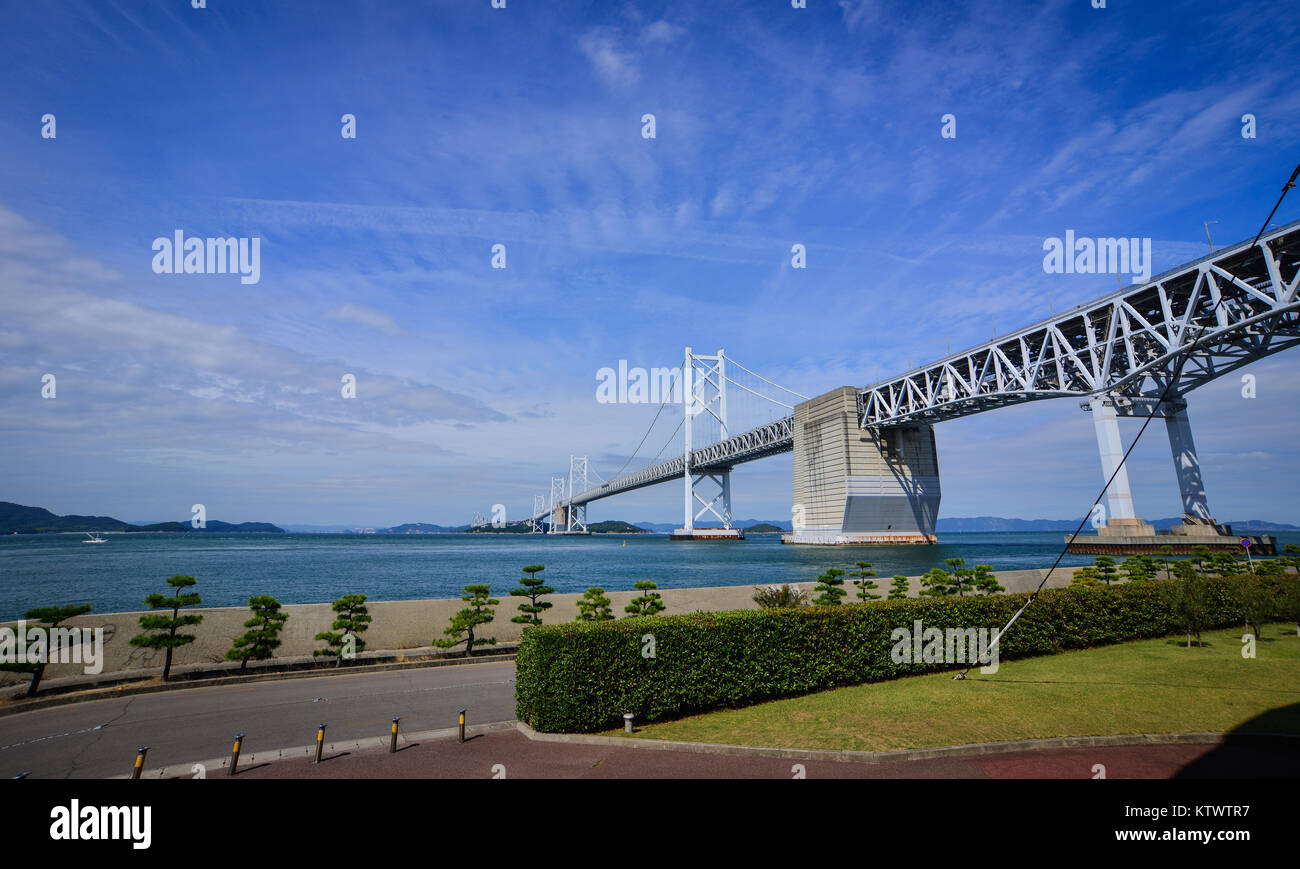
x=1164 y=395
x=764 y=379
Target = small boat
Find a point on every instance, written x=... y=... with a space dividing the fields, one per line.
x=95 y=538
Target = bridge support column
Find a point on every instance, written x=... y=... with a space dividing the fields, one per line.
x=1120 y=520
x=1196 y=508
x=855 y=486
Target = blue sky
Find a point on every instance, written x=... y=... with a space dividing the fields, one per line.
x=522 y=126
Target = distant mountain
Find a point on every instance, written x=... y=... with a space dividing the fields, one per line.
x=994 y=524
x=614 y=526
x=763 y=528
x=38 y=520
x=669 y=527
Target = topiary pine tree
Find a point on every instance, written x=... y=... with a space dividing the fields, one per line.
x=261 y=642
x=899 y=587
x=864 y=582
x=936 y=582
x=648 y=604
x=532 y=589
x=1106 y=570
x=962 y=579
x=167 y=636
x=344 y=639
x=829 y=585
x=1138 y=568
x=479 y=612
x=593 y=606
x=984 y=581
x=47 y=617
x=1086 y=577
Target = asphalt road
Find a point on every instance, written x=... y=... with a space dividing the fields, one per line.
x=99 y=739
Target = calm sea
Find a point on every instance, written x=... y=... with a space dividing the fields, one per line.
x=40 y=570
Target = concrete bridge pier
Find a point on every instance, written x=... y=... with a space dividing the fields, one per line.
x=1120 y=518
x=855 y=486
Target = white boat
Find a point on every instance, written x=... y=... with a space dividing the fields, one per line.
x=95 y=538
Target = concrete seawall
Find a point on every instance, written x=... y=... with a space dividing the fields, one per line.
x=413 y=624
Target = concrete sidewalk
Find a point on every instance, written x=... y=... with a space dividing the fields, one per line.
x=511 y=754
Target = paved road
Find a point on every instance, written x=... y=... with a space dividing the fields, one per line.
x=99 y=739
x=510 y=754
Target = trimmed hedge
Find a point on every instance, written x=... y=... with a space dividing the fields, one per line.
x=583 y=677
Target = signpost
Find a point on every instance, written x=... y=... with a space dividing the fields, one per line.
x=1245 y=541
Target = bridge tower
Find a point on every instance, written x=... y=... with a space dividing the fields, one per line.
x=577 y=513
x=856 y=486
x=558 y=513
x=704 y=395
x=539 y=513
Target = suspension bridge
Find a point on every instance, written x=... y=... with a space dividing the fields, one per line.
x=865 y=465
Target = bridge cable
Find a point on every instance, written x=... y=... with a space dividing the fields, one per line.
x=764 y=379
x=1178 y=368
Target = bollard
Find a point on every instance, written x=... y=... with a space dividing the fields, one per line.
x=462 y=725
x=139 y=762
x=627 y=722
x=392 y=748
x=234 y=752
x=320 y=742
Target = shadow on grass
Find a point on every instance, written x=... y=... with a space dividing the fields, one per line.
x=1266 y=746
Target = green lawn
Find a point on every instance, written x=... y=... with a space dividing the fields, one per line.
x=1148 y=686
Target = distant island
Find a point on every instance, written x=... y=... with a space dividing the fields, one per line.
x=19 y=519
x=995 y=524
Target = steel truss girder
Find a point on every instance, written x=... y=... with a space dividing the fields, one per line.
x=757 y=443
x=1124 y=344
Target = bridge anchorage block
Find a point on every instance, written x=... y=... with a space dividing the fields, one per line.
x=855 y=486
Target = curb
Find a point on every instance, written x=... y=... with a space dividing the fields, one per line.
x=271 y=755
x=94 y=695
x=877 y=757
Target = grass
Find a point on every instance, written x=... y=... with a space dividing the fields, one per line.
x=1147 y=686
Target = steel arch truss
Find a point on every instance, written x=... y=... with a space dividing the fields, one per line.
x=1229 y=309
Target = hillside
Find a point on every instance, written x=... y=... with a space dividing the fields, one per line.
x=614 y=526
x=37 y=520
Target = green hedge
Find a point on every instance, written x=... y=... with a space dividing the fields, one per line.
x=583 y=677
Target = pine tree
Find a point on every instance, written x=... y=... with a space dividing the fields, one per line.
x=1256 y=598
x=829 y=585
x=167 y=636
x=344 y=636
x=593 y=606
x=532 y=589
x=47 y=617
x=899 y=587
x=261 y=642
x=864 y=583
x=1138 y=568
x=1086 y=577
x=936 y=582
x=1106 y=571
x=648 y=604
x=962 y=578
x=984 y=581
x=479 y=612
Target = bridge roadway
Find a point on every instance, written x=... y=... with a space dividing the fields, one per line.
x=98 y=739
